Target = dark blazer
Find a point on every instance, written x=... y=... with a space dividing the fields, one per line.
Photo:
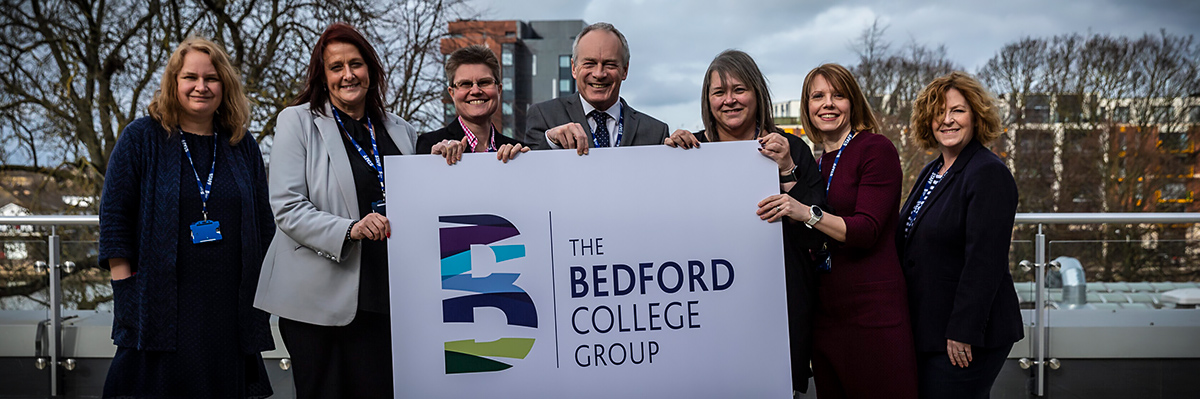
x=139 y=221
x=453 y=131
x=640 y=129
x=955 y=257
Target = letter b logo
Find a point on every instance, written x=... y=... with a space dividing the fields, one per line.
x=497 y=290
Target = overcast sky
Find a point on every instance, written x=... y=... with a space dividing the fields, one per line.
x=672 y=41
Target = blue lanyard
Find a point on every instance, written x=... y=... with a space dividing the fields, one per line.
x=837 y=158
x=930 y=183
x=206 y=187
x=377 y=165
x=620 y=131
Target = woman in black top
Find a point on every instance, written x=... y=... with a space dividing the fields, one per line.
x=736 y=105
x=184 y=221
x=326 y=273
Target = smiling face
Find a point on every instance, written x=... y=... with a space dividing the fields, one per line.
x=955 y=127
x=476 y=103
x=828 y=110
x=598 y=69
x=732 y=103
x=200 y=87
x=346 y=77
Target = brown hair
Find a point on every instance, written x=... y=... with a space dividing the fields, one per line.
x=861 y=117
x=234 y=112
x=316 y=93
x=740 y=66
x=475 y=54
x=985 y=117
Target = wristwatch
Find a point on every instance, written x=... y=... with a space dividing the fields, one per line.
x=817 y=214
x=788 y=177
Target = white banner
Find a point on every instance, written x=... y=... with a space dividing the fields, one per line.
x=629 y=272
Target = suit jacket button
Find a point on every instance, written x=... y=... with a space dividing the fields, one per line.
x=319 y=253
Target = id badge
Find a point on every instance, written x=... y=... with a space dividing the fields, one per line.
x=206 y=231
x=379 y=207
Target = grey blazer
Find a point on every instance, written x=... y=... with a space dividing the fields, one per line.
x=640 y=129
x=310 y=272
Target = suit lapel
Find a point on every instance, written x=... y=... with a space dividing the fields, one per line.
x=631 y=124
x=332 y=137
x=951 y=175
x=399 y=135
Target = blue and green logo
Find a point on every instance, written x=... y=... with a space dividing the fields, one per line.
x=497 y=290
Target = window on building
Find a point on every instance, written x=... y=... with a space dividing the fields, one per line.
x=1120 y=115
x=1174 y=191
x=508 y=131
x=534 y=64
x=1037 y=108
x=506 y=108
x=1070 y=108
x=1173 y=141
x=564 y=86
x=1164 y=114
x=564 y=61
x=507 y=83
x=506 y=58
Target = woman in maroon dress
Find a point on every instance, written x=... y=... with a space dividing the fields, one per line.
x=862 y=339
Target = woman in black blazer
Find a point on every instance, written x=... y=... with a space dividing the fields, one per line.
x=953 y=243
x=474 y=75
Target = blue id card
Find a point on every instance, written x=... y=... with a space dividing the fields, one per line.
x=206 y=231
x=379 y=207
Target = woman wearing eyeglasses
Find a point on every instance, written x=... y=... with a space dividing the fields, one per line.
x=473 y=72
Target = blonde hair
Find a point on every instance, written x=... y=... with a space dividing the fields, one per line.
x=234 y=112
x=985 y=117
x=861 y=117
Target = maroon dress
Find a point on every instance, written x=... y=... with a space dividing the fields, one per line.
x=862 y=340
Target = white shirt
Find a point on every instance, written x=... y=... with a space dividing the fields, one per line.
x=614 y=113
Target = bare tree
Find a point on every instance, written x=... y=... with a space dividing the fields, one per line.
x=79 y=71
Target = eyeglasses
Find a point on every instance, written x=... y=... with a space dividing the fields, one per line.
x=485 y=83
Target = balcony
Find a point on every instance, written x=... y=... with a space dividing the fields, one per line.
x=1104 y=318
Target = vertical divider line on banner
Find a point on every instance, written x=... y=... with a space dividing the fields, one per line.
x=553 y=293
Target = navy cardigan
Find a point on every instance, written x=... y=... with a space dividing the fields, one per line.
x=139 y=221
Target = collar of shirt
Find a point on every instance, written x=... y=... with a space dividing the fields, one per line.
x=614 y=113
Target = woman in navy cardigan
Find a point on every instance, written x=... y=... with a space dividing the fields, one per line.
x=953 y=243
x=184 y=224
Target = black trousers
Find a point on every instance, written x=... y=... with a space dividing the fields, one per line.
x=351 y=361
x=938 y=378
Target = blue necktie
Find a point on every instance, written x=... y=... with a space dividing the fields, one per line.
x=601 y=132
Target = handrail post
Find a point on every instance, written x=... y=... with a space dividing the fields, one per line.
x=1039 y=324
x=55 y=294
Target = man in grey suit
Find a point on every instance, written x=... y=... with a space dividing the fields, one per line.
x=597 y=116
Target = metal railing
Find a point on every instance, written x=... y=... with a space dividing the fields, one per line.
x=1041 y=322
x=55 y=265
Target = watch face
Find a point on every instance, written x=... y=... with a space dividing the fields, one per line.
x=817 y=212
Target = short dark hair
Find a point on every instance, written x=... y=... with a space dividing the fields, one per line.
x=742 y=67
x=475 y=54
x=316 y=93
x=607 y=27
